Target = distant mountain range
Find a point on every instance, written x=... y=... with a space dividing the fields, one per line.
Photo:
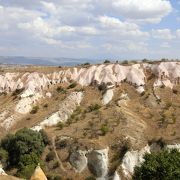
x=21 y=60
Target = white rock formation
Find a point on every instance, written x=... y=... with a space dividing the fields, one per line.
x=2 y=172
x=175 y=146
x=66 y=109
x=98 y=162
x=167 y=73
x=107 y=97
x=35 y=85
x=132 y=159
x=78 y=160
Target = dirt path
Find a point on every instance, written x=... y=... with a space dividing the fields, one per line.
x=58 y=159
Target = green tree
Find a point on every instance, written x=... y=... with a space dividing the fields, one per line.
x=25 y=141
x=164 y=165
x=3 y=157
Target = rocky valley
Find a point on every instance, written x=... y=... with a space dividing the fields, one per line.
x=100 y=119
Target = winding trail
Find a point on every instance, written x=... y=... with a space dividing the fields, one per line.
x=58 y=159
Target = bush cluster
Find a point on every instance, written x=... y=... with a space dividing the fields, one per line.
x=163 y=165
x=22 y=151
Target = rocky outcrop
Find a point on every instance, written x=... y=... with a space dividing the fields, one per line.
x=31 y=87
x=98 y=162
x=78 y=160
x=107 y=97
x=2 y=172
x=38 y=174
x=66 y=109
x=132 y=159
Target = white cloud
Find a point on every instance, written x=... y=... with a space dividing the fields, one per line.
x=143 y=10
x=100 y=28
x=165 y=45
x=178 y=33
x=162 y=34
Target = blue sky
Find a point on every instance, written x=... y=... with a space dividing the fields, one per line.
x=93 y=29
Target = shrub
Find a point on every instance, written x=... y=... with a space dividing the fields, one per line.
x=25 y=141
x=160 y=165
x=106 y=61
x=104 y=129
x=26 y=172
x=50 y=156
x=56 y=165
x=102 y=87
x=18 y=91
x=86 y=64
x=125 y=62
x=175 y=91
x=73 y=85
x=60 y=89
x=62 y=144
x=46 y=139
x=90 y=178
x=60 y=125
x=3 y=157
x=94 y=107
x=45 y=105
x=57 y=177
x=34 y=110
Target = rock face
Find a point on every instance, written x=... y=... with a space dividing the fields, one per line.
x=66 y=109
x=78 y=160
x=175 y=146
x=98 y=162
x=34 y=86
x=2 y=172
x=107 y=97
x=132 y=159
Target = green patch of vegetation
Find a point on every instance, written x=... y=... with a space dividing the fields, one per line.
x=3 y=157
x=46 y=139
x=57 y=177
x=104 y=129
x=55 y=165
x=24 y=150
x=50 y=156
x=102 y=87
x=107 y=61
x=18 y=91
x=73 y=85
x=125 y=62
x=162 y=165
x=60 y=125
x=94 y=107
x=34 y=110
x=60 y=89
x=90 y=178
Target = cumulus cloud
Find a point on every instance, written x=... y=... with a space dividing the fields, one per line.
x=83 y=27
x=143 y=10
x=162 y=34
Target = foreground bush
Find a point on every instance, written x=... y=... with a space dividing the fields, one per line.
x=22 y=151
x=162 y=165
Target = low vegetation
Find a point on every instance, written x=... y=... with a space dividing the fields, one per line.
x=72 y=85
x=162 y=165
x=34 y=110
x=22 y=151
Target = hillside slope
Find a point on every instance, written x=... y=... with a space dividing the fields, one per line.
x=101 y=119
